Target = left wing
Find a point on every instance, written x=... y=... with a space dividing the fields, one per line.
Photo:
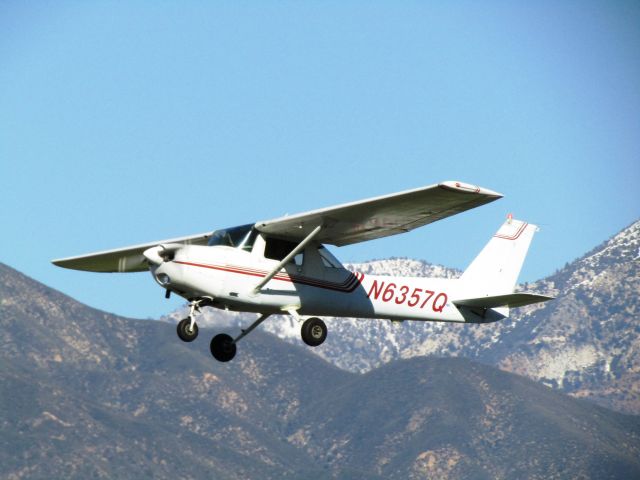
x=127 y=259
x=381 y=216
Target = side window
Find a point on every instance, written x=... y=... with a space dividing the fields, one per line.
x=328 y=260
x=277 y=249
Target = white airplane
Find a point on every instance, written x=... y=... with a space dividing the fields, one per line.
x=281 y=266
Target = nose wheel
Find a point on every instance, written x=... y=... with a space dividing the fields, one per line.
x=187 y=330
x=313 y=332
x=187 y=327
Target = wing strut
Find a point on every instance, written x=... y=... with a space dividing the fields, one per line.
x=287 y=259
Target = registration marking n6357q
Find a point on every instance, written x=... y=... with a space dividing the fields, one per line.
x=399 y=294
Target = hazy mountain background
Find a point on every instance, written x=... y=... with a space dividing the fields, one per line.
x=87 y=394
x=585 y=343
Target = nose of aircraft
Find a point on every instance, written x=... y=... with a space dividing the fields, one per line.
x=152 y=254
x=161 y=253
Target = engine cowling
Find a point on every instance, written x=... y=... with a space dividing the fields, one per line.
x=162 y=253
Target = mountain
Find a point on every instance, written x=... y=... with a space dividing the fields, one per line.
x=89 y=394
x=584 y=343
x=84 y=393
x=587 y=341
x=452 y=418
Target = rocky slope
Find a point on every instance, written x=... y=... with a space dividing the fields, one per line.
x=85 y=394
x=585 y=343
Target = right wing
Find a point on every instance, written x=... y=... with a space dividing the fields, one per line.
x=127 y=259
x=380 y=216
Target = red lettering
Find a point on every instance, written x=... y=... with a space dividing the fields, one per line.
x=440 y=307
x=429 y=295
x=389 y=292
x=415 y=295
x=404 y=289
x=375 y=289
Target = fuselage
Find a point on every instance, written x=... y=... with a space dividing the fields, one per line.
x=314 y=285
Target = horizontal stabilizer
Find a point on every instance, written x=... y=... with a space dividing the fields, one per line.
x=511 y=300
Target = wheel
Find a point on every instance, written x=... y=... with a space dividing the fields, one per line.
x=313 y=332
x=185 y=333
x=222 y=347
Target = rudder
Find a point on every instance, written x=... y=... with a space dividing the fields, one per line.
x=495 y=270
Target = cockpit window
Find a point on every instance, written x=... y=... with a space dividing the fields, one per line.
x=237 y=237
x=277 y=249
x=328 y=260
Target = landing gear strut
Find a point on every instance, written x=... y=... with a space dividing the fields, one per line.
x=187 y=327
x=313 y=332
x=223 y=347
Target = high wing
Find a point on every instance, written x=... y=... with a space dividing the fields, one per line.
x=381 y=216
x=340 y=225
x=128 y=259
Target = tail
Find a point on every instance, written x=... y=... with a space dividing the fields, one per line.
x=495 y=270
x=491 y=278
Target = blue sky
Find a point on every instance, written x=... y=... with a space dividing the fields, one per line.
x=126 y=122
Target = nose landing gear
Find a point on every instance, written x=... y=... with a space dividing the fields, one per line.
x=186 y=331
x=187 y=327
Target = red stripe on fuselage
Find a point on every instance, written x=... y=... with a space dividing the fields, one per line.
x=349 y=285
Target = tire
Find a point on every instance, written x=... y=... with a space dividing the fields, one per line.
x=222 y=347
x=313 y=332
x=184 y=333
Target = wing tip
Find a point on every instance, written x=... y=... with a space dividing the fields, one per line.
x=469 y=188
x=66 y=263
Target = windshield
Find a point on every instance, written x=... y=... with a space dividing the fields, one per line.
x=236 y=237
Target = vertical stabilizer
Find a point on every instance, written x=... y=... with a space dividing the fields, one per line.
x=495 y=270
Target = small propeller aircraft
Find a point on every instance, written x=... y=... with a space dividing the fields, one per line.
x=281 y=266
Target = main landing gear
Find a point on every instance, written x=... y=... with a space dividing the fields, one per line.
x=313 y=332
x=223 y=347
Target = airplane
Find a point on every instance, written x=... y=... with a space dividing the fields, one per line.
x=281 y=266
